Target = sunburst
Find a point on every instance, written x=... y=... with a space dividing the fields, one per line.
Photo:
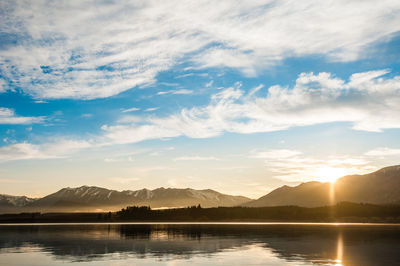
x=329 y=174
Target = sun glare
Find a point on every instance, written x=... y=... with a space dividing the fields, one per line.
x=329 y=174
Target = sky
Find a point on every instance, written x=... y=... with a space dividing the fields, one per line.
x=237 y=96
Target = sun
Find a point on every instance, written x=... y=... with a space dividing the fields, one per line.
x=329 y=174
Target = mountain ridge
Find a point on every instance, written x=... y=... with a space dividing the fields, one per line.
x=92 y=198
x=378 y=187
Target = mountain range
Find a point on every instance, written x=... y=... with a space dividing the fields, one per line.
x=380 y=187
x=91 y=198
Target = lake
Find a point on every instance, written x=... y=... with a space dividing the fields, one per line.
x=200 y=244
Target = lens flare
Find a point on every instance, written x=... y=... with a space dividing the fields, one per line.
x=330 y=174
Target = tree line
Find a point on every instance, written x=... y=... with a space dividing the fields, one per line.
x=342 y=212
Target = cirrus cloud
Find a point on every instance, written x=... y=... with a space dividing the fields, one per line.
x=56 y=149
x=91 y=49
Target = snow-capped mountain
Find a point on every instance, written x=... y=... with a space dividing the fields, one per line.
x=15 y=201
x=91 y=198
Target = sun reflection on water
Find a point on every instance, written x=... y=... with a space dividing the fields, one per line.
x=339 y=251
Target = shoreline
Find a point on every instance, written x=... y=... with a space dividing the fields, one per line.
x=208 y=223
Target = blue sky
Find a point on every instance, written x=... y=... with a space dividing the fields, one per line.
x=237 y=97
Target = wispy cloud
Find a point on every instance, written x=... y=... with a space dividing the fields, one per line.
x=151 y=109
x=87 y=115
x=274 y=154
x=255 y=90
x=383 y=151
x=8 y=116
x=57 y=149
x=119 y=159
x=368 y=100
x=191 y=74
x=209 y=84
x=295 y=166
x=66 y=50
x=3 y=85
x=175 y=92
x=131 y=110
x=196 y=158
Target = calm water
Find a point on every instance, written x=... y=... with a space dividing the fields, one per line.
x=199 y=244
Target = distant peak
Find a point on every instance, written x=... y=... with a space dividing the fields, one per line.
x=88 y=187
x=310 y=183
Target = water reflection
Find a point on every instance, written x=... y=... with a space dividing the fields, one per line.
x=213 y=244
x=339 y=256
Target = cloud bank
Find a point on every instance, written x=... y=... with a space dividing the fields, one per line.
x=93 y=49
x=368 y=100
